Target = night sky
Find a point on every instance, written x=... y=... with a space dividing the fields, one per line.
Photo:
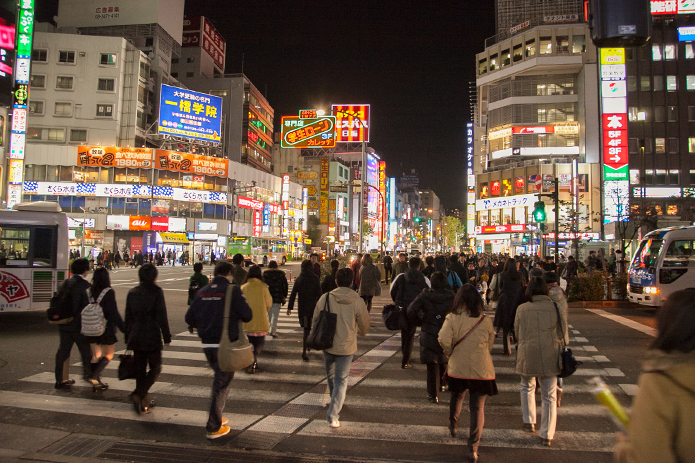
x=410 y=60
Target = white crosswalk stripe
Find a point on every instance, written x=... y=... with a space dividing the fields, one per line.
x=377 y=384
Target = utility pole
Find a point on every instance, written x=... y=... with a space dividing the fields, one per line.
x=363 y=180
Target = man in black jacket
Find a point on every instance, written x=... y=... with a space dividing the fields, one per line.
x=277 y=285
x=456 y=266
x=70 y=333
x=207 y=315
x=405 y=288
x=308 y=287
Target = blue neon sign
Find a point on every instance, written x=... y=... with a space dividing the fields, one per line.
x=190 y=114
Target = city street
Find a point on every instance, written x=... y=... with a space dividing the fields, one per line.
x=281 y=410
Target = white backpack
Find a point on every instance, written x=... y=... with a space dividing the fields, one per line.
x=93 y=320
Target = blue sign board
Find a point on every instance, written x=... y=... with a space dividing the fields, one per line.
x=686 y=33
x=266 y=215
x=190 y=114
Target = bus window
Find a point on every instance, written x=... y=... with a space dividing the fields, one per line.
x=14 y=246
x=680 y=254
x=647 y=254
x=43 y=247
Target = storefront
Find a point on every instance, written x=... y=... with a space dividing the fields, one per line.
x=499 y=239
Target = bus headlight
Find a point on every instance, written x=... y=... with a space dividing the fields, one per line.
x=651 y=290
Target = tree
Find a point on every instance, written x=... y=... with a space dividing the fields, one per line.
x=575 y=220
x=313 y=230
x=453 y=230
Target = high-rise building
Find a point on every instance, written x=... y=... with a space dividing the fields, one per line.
x=511 y=14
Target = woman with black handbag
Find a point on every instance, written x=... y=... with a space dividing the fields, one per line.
x=540 y=328
x=467 y=337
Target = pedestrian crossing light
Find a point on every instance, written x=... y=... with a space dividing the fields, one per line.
x=539 y=211
x=417 y=219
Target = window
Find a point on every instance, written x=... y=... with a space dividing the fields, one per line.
x=38 y=81
x=631 y=83
x=691 y=113
x=35 y=134
x=482 y=67
x=674 y=177
x=506 y=58
x=660 y=177
x=149 y=41
x=562 y=43
x=578 y=44
x=659 y=113
x=190 y=60
x=632 y=113
x=656 y=53
x=493 y=62
x=35 y=107
x=39 y=55
x=63 y=109
x=107 y=59
x=189 y=74
x=104 y=110
x=634 y=177
x=518 y=53
x=690 y=82
x=56 y=135
x=673 y=146
x=669 y=52
x=106 y=85
x=218 y=92
x=630 y=54
x=660 y=145
x=174 y=61
x=671 y=83
x=66 y=57
x=645 y=83
x=64 y=82
x=691 y=145
x=530 y=48
x=648 y=146
x=658 y=83
x=649 y=177
x=546 y=46
x=689 y=51
x=673 y=113
x=633 y=145
x=78 y=135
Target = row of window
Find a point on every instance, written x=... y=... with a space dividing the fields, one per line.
x=65 y=109
x=658 y=177
x=39 y=55
x=645 y=83
x=658 y=145
x=38 y=81
x=529 y=49
x=657 y=114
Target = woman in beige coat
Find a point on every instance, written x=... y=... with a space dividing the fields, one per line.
x=662 y=424
x=541 y=329
x=470 y=364
x=259 y=299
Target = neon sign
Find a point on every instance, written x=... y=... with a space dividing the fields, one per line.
x=308 y=133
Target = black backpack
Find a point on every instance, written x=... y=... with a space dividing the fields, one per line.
x=193 y=288
x=60 y=308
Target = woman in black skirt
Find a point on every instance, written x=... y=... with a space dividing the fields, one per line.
x=467 y=337
x=103 y=346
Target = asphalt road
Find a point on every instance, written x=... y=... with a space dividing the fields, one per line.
x=281 y=409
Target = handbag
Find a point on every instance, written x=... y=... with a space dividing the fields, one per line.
x=126 y=368
x=323 y=331
x=445 y=376
x=569 y=363
x=233 y=355
x=391 y=316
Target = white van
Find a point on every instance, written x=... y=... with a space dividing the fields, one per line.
x=661 y=265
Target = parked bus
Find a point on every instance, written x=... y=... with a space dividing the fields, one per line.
x=33 y=255
x=661 y=266
x=260 y=250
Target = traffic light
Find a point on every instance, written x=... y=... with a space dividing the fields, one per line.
x=417 y=219
x=539 y=211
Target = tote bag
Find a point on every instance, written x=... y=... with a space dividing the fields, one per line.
x=323 y=331
x=233 y=355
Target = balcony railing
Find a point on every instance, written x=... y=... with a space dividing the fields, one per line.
x=529 y=163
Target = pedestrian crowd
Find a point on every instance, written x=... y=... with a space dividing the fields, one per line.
x=445 y=297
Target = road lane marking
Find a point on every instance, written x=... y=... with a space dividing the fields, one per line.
x=630 y=389
x=626 y=321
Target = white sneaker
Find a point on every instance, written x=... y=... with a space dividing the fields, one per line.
x=334 y=424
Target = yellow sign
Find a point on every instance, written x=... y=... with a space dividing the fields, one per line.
x=612 y=56
x=180 y=238
x=313 y=205
x=307 y=241
x=16 y=171
x=311 y=190
x=307 y=175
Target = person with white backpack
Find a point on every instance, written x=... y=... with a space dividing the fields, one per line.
x=99 y=321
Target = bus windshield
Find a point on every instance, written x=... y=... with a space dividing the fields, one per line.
x=647 y=253
x=27 y=246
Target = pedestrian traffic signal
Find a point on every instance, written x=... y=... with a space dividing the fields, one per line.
x=417 y=219
x=539 y=211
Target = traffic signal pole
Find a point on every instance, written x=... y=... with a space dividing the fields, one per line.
x=557 y=222
x=540 y=216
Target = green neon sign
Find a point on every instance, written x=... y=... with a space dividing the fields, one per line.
x=25 y=28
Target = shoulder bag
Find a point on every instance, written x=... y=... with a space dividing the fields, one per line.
x=377 y=272
x=391 y=315
x=233 y=355
x=569 y=363
x=323 y=331
x=445 y=376
x=127 y=368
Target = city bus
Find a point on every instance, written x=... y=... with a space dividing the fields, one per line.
x=661 y=266
x=260 y=250
x=33 y=255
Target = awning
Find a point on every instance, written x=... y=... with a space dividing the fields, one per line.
x=177 y=238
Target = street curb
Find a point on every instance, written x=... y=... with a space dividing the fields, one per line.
x=604 y=304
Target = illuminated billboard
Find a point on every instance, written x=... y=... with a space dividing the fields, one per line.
x=190 y=114
x=352 y=122
x=199 y=32
x=298 y=132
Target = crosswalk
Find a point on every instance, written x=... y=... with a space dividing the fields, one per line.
x=287 y=398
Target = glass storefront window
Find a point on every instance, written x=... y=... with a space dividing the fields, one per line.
x=507 y=216
x=483 y=218
x=495 y=217
x=517 y=53
x=562 y=43
x=545 y=46
x=506 y=58
x=531 y=48
x=519 y=215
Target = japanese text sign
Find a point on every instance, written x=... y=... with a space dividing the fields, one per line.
x=352 y=122
x=190 y=114
x=113 y=156
x=191 y=163
x=308 y=133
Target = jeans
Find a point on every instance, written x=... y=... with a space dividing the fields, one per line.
x=407 y=336
x=434 y=376
x=146 y=379
x=67 y=339
x=549 y=398
x=477 y=408
x=220 y=389
x=274 y=314
x=337 y=370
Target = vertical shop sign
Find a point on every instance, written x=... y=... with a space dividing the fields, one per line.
x=470 y=177
x=382 y=197
x=257 y=222
x=285 y=197
x=614 y=127
x=305 y=208
x=323 y=207
x=20 y=97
